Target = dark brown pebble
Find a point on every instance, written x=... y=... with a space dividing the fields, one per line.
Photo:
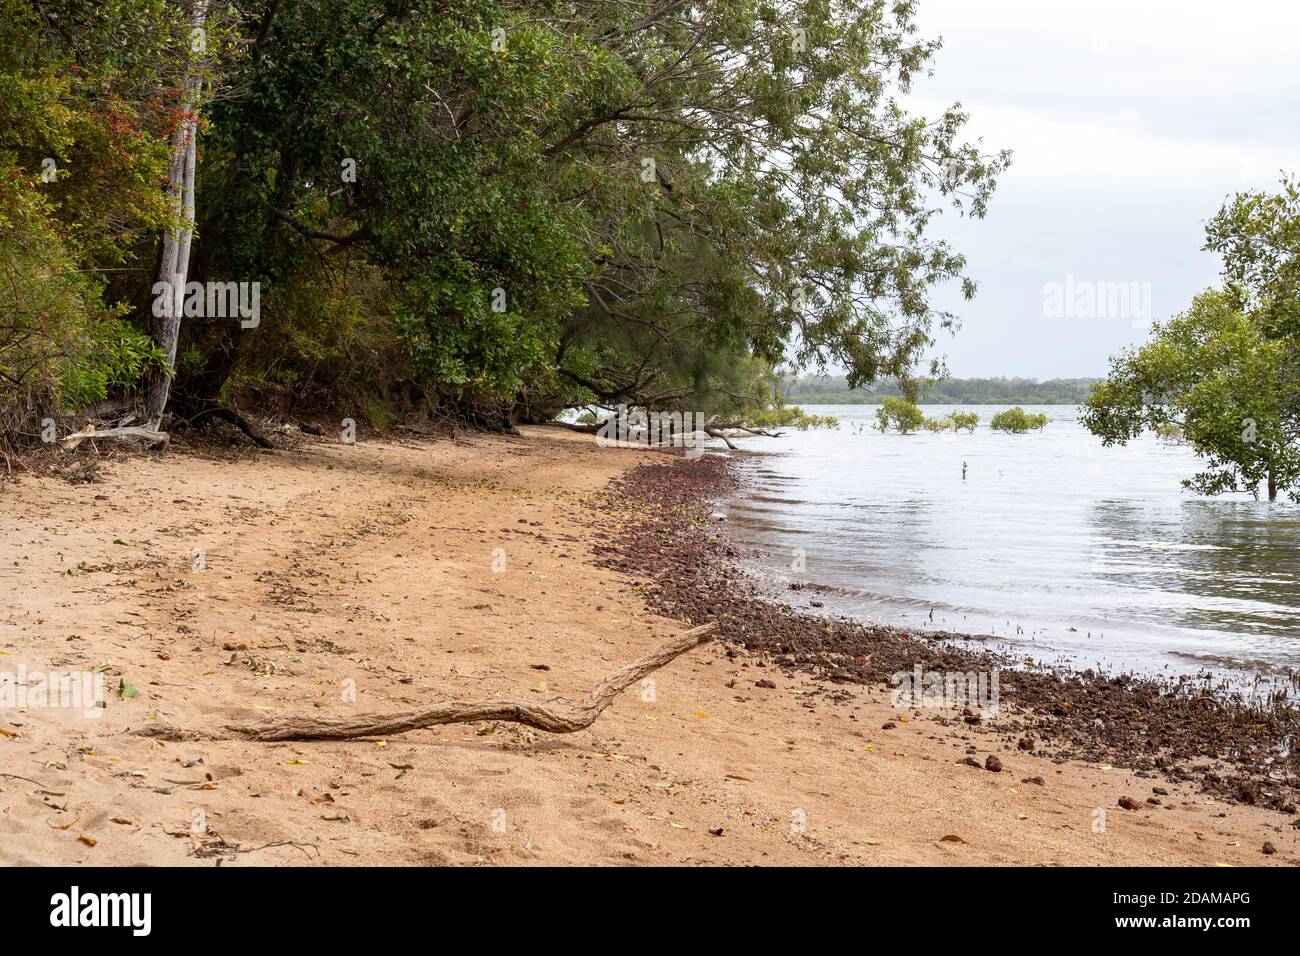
x=993 y=764
x=1269 y=849
x=888 y=725
x=765 y=683
x=1026 y=743
x=1128 y=803
x=1036 y=781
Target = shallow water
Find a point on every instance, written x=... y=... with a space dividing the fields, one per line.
x=1071 y=551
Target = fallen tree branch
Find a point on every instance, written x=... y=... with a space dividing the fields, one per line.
x=589 y=429
x=526 y=712
x=128 y=433
x=742 y=427
x=715 y=433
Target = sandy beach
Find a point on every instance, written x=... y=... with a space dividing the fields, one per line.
x=324 y=578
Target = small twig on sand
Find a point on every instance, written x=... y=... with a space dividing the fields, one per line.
x=14 y=776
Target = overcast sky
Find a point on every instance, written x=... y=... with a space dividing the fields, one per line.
x=1131 y=121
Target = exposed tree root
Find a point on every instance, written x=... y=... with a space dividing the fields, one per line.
x=528 y=713
x=233 y=417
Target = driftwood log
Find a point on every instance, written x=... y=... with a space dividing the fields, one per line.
x=127 y=433
x=526 y=712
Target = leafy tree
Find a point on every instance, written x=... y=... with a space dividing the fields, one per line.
x=1017 y=421
x=544 y=205
x=963 y=420
x=899 y=414
x=1258 y=236
x=83 y=128
x=1215 y=375
x=1226 y=373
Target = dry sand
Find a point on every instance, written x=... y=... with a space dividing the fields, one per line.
x=372 y=566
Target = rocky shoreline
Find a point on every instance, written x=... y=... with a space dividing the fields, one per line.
x=663 y=537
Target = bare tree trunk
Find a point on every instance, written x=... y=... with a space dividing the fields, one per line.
x=174 y=266
x=1272 y=485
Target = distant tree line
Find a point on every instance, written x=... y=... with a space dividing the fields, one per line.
x=834 y=390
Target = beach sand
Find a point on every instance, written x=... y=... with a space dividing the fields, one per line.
x=427 y=572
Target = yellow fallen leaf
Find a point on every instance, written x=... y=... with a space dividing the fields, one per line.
x=88 y=840
x=702 y=715
x=871 y=748
x=736 y=776
x=902 y=720
x=8 y=733
x=295 y=762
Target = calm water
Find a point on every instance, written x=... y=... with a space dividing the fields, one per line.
x=1074 y=552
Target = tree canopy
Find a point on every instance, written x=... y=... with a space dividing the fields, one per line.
x=1224 y=373
x=537 y=205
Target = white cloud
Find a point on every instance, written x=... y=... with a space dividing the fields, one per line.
x=1131 y=121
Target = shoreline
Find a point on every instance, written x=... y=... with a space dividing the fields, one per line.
x=1168 y=727
x=372 y=564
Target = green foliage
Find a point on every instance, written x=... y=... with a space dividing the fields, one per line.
x=963 y=420
x=899 y=414
x=1214 y=375
x=82 y=155
x=1226 y=373
x=788 y=416
x=1018 y=421
x=1258 y=236
x=552 y=206
x=60 y=347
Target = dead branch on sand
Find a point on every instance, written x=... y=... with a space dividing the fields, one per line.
x=126 y=433
x=528 y=713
